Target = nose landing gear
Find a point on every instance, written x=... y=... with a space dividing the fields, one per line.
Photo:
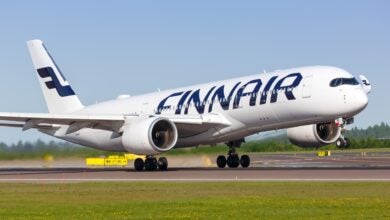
x=233 y=160
x=343 y=142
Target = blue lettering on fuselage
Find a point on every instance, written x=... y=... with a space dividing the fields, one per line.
x=224 y=102
x=162 y=105
x=252 y=94
x=287 y=88
x=219 y=94
x=199 y=105
x=264 y=94
x=181 y=102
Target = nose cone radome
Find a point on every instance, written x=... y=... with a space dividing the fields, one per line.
x=361 y=100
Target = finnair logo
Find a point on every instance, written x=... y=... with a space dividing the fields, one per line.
x=258 y=95
x=54 y=83
x=365 y=82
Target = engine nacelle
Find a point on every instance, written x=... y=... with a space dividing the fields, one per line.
x=149 y=135
x=317 y=135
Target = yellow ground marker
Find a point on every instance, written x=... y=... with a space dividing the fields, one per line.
x=324 y=153
x=112 y=160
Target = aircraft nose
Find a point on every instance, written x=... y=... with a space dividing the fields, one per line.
x=361 y=100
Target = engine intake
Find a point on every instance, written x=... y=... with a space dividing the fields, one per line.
x=316 y=135
x=149 y=135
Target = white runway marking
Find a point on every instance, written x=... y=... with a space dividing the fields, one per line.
x=197 y=180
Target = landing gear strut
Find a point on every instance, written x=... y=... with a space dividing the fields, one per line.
x=343 y=142
x=233 y=160
x=151 y=163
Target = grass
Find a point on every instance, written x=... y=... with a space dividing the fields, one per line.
x=184 y=200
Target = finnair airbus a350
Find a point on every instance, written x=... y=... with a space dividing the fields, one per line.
x=314 y=104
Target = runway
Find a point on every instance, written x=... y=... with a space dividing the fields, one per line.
x=194 y=174
x=341 y=166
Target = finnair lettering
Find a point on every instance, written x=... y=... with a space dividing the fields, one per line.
x=218 y=95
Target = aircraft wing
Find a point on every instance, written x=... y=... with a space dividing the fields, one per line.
x=44 y=120
x=104 y=121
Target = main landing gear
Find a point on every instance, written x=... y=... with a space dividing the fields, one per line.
x=233 y=160
x=151 y=163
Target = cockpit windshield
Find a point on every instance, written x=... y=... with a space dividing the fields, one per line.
x=343 y=81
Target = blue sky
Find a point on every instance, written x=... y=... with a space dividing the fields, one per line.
x=107 y=48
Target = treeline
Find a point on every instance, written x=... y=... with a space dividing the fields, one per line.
x=38 y=149
x=381 y=131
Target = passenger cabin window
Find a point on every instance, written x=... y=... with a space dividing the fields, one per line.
x=343 y=81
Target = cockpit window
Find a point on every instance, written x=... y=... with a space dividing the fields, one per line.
x=343 y=81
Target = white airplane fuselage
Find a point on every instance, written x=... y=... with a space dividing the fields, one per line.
x=251 y=104
x=314 y=103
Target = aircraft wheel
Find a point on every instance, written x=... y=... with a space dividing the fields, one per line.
x=221 y=161
x=340 y=143
x=245 y=161
x=150 y=163
x=233 y=161
x=162 y=163
x=139 y=164
x=347 y=142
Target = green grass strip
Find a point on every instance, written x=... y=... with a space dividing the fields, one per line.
x=185 y=200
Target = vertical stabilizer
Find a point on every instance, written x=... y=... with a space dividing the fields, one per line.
x=59 y=95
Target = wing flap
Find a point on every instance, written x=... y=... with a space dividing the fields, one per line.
x=208 y=119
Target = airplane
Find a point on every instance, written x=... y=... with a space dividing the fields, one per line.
x=313 y=103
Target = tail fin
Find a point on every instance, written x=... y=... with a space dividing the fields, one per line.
x=59 y=95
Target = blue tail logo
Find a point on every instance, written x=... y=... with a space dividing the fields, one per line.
x=365 y=82
x=54 y=83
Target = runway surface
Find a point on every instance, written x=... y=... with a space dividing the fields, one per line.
x=194 y=174
x=341 y=166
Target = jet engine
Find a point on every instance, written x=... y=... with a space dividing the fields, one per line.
x=149 y=136
x=316 y=135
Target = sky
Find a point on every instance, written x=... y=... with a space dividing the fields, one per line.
x=108 y=48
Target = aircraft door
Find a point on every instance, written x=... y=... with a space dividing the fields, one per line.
x=306 y=87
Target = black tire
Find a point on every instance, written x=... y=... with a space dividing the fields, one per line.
x=221 y=161
x=150 y=164
x=162 y=163
x=340 y=143
x=233 y=161
x=245 y=161
x=139 y=164
x=347 y=142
